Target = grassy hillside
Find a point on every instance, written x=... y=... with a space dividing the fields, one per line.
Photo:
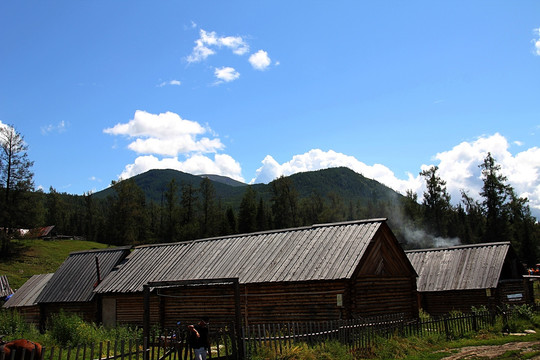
x=39 y=257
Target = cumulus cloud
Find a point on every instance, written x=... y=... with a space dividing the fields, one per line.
x=260 y=60
x=165 y=134
x=317 y=159
x=226 y=74
x=163 y=137
x=459 y=167
x=209 y=42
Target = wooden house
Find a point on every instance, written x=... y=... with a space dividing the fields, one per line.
x=24 y=299
x=317 y=273
x=460 y=277
x=71 y=287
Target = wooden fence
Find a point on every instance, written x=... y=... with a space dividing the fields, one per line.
x=359 y=334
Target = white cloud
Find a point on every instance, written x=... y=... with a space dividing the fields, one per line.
x=169 y=135
x=165 y=134
x=317 y=159
x=171 y=82
x=260 y=60
x=221 y=164
x=459 y=167
x=209 y=42
x=536 y=41
x=226 y=74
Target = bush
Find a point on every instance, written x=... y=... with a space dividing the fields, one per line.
x=12 y=323
x=70 y=330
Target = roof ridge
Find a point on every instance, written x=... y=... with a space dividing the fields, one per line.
x=118 y=248
x=457 y=247
x=273 y=231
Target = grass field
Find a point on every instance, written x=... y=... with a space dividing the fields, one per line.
x=33 y=257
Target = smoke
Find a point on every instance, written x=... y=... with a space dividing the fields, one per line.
x=413 y=236
x=420 y=239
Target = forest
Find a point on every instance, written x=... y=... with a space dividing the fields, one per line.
x=194 y=207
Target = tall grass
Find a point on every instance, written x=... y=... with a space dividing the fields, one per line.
x=302 y=351
x=64 y=330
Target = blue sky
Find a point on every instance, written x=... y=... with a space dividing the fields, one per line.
x=258 y=89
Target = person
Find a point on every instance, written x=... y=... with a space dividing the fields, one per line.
x=198 y=338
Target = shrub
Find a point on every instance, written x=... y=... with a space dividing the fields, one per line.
x=12 y=323
x=70 y=330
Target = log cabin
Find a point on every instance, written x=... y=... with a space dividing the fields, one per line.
x=317 y=273
x=24 y=299
x=71 y=287
x=461 y=277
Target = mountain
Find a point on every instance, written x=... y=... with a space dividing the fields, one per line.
x=223 y=180
x=341 y=181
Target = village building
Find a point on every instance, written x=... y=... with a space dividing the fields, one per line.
x=71 y=287
x=318 y=273
x=24 y=300
x=459 y=278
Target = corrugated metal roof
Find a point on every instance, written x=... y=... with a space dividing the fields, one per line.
x=319 y=252
x=466 y=267
x=5 y=290
x=76 y=278
x=28 y=293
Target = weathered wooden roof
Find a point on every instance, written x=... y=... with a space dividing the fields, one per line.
x=5 y=290
x=76 y=279
x=28 y=293
x=465 y=267
x=319 y=252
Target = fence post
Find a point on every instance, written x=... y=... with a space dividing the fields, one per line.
x=446 y=327
x=146 y=320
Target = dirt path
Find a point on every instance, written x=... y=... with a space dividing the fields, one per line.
x=493 y=351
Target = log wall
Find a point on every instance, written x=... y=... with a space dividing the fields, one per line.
x=380 y=295
x=273 y=302
x=443 y=302
x=88 y=311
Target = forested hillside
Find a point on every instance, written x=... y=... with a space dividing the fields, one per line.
x=168 y=206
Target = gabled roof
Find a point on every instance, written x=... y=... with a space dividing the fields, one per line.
x=76 y=278
x=28 y=293
x=5 y=290
x=465 y=267
x=318 y=252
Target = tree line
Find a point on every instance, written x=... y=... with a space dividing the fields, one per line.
x=188 y=211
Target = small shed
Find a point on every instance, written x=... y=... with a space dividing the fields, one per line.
x=71 y=287
x=461 y=277
x=24 y=299
x=43 y=232
x=317 y=273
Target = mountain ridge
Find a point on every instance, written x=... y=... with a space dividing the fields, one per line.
x=341 y=181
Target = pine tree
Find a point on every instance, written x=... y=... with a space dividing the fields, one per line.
x=284 y=203
x=16 y=181
x=495 y=192
x=209 y=214
x=171 y=211
x=247 y=215
x=436 y=201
